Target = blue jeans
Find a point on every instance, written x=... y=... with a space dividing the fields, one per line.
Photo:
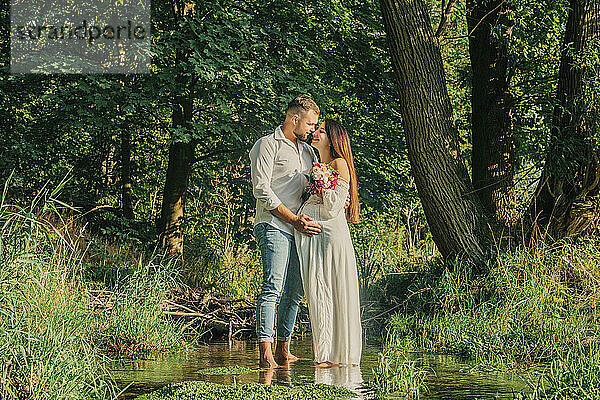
x=281 y=272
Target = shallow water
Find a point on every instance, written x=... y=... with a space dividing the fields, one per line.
x=449 y=378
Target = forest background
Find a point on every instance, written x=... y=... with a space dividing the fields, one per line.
x=474 y=126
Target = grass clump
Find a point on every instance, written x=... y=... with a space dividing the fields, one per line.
x=233 y=370
x=534 y=308
x=52 y=340
x=574 y=375
x=136 y=325
x=397 y=376
x=249 y=391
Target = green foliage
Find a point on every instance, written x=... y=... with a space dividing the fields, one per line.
x=384 y=243
x=575 y=375
x=45 y=349
x=397 y=376
x=239 y=63
x=255 y=391
x=221 y=250
x=533 y=307
x=233 y=370
x=51 y=334
x=589 y=59
x=136 y=325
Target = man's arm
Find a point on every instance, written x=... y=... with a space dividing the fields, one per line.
x=262 y=157
x=302 y=223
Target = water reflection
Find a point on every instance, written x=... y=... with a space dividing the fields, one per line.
x=449 y=378
x=282 y=376
x=349 y=377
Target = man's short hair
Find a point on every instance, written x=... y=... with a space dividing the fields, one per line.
x=302 y=104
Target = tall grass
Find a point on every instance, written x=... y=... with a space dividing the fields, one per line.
x=50 y=335
x=574 y=375
x=397 y=376
x=221 y=253
x=536 y=306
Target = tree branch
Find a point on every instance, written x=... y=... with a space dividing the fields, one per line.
x=215 y=153
x=487 y=15
x=445 y=17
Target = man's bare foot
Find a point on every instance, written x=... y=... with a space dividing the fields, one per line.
x=282 y=353
x=266 y=359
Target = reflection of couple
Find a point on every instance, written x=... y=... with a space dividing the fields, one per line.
x=306 y=248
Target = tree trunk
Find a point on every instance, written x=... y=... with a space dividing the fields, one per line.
x=109 y=161
x=181 y=153
x=492 y=107
x=171 y=222
x=452 y=208
x=179 y=168
x=566 y=201
x=126 y=192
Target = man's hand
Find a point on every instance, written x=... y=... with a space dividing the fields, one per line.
x=306 y=225
x=347 y=202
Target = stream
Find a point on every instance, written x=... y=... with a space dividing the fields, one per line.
x=449 y=377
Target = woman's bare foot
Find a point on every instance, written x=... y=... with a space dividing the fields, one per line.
x=327 y=364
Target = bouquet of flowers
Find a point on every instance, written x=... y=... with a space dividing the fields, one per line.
x=321 y=176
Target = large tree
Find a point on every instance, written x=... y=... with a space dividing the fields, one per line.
x=566 y=200
x=453 y=210
x=490 y=25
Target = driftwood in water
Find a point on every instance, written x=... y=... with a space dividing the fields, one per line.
x=211 y=317
x=206 y=315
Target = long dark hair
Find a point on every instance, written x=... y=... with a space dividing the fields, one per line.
x=340 y=148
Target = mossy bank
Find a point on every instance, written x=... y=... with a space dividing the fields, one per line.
x=249 y=391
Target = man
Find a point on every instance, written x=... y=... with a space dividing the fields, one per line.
x=277 y=164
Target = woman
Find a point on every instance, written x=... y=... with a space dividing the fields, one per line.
x=327 y=260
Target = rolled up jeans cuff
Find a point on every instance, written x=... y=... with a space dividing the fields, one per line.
x=265 y=340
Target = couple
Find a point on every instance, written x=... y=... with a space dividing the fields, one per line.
x=306 y=248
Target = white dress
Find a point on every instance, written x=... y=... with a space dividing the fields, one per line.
x=330 y=279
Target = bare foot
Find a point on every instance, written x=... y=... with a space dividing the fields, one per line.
x=265 y=363
x=285 y=358
x=327 y=364
x=266 y=359
x=282 y=353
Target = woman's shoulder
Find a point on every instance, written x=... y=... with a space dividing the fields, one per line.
x=338 y=162
x=340 y=165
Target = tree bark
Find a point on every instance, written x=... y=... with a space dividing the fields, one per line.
x=566 y=200
x=453 y=210
x=181 y=160
x=492 y=108
x=126 y=192
x=170 y=224
x=179 y=168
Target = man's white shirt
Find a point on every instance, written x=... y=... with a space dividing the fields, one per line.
x=278 y=176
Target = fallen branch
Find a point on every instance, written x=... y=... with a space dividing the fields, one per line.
x=397 y=305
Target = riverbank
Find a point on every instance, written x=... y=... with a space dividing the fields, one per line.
x=536 y=310
x=55 y=332
x=70 y=301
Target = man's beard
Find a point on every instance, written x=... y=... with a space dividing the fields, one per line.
x=306 y=139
